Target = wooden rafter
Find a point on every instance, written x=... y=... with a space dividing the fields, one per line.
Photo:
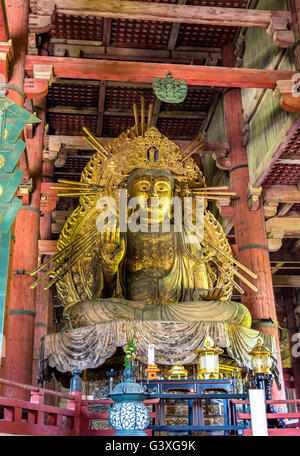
x=175 y=30
x=262 y=174
x=100 y=110
x=106 y=31
x=123 y=113
x=77 y=68
x=189 y=14
x=286 y=281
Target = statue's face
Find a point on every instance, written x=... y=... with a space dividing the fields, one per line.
x=156 y=190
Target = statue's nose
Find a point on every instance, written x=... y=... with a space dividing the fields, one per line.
x=152 y=192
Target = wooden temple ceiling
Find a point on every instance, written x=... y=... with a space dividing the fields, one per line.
x=80 y=40
x=105 y=107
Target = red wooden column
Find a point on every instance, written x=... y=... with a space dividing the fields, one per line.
x=249 y=225
x=21 y=315
x=44 y=298
x=17 y=16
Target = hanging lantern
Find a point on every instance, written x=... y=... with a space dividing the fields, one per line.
x=208 y=366
x=169 y=90
x=261 y=362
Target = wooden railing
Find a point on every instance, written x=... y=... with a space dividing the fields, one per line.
x=37 y=418
x=292 y=429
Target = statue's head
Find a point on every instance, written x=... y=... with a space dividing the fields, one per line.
x=155 y=187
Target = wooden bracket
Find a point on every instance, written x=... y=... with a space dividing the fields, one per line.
x=52 y=151
x=254 y=194
x=212 y=60
x=279 y=227
x=24 y=191
x=225 y=210
x=271 y=205
x=222 y=159
x=282 y=37
x=42 y=15
x=47 y=247
x=288 y=92
x=6 y=56
x=35 y=88
x=49 y=197
x=275 y=239
x=61 y=158
x=43 y=72
x=39 y=24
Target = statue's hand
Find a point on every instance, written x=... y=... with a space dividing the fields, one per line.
x=112 y=250
x=211 y=294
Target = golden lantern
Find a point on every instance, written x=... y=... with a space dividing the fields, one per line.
x=208 y=366
x=261 y=362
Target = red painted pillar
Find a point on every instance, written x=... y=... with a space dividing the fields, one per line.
x=17 y=12
x=21 y=314
x=44 y=298
x=249 y=225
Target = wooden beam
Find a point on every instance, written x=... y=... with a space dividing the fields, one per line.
x=59 y=48
x=73 y=110
x=284 y=193
x=76 y=68
x=286 y=281
x=78 y=142
x=285 y=256
x=123 y=113
x=233 y=17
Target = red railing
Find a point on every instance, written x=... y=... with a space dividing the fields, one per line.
x=292 y=429
x=37 y=418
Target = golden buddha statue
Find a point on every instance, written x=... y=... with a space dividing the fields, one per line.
x=153 y=274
